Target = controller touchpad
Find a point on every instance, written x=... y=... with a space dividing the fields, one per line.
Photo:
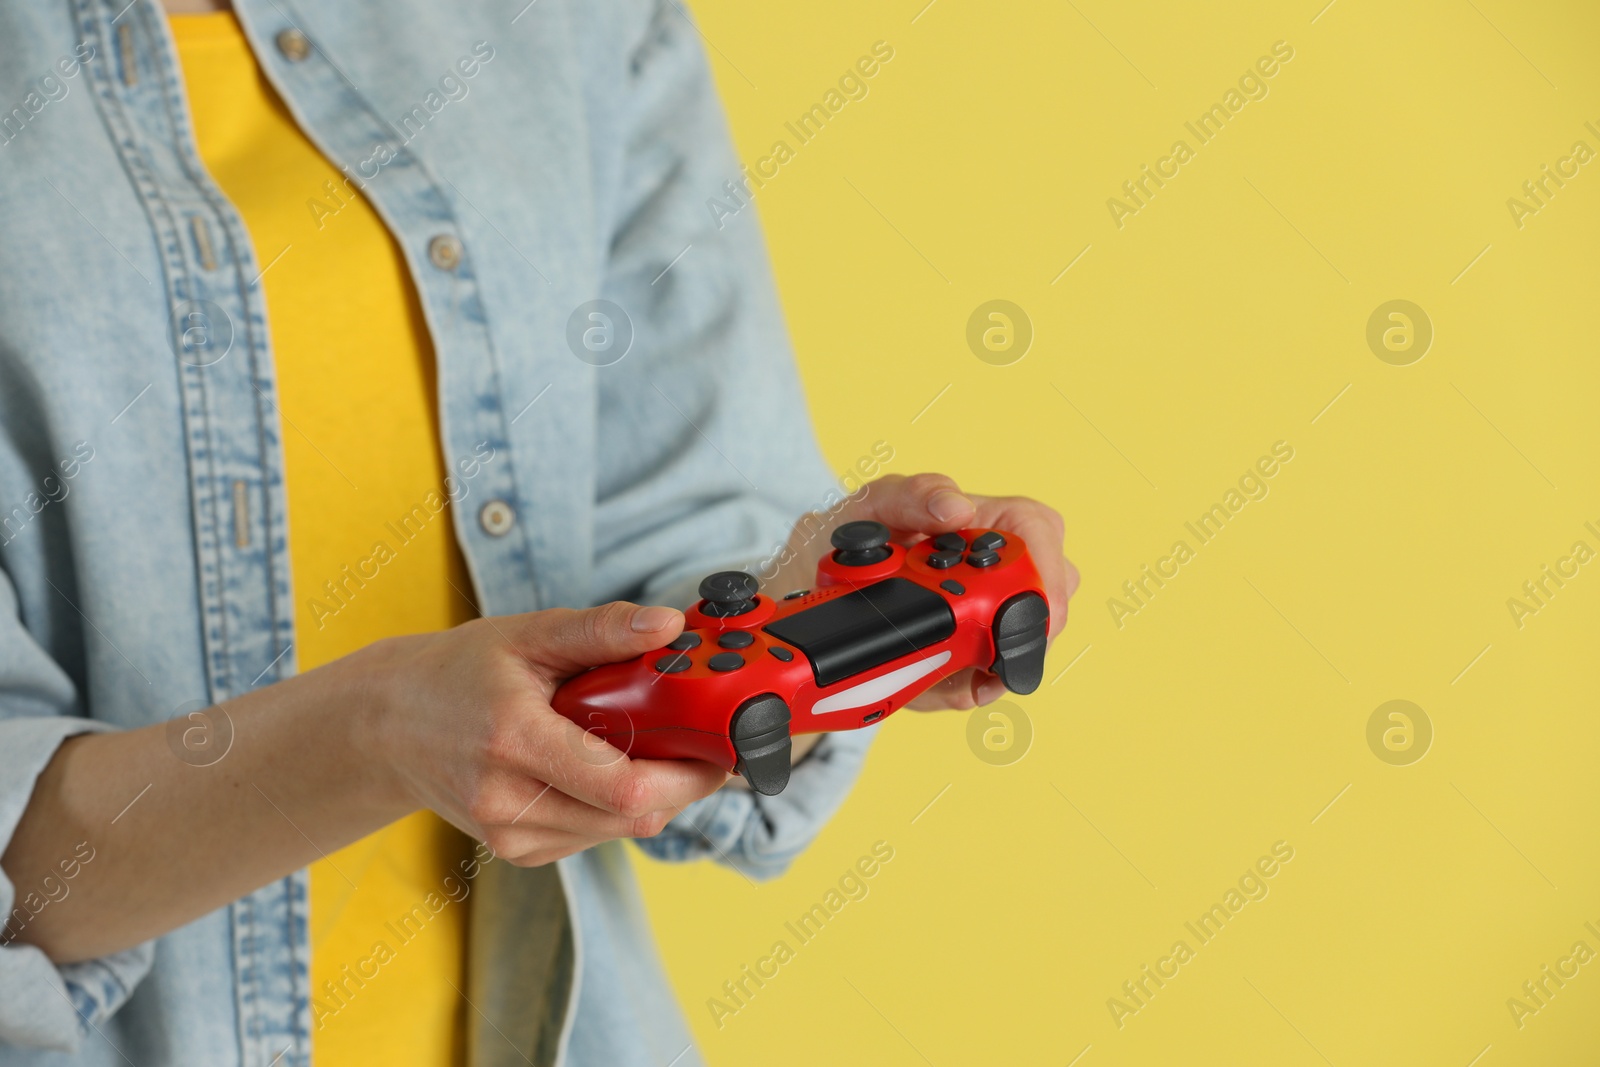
x=867 y=628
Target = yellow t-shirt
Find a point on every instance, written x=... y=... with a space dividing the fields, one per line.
x=360 y=441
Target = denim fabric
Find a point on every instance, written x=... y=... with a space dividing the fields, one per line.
x=143 y=558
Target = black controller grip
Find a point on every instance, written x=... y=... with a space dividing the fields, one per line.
x=760 y=735
x=1021 y=638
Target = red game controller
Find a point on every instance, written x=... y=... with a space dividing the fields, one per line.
x=884 y=623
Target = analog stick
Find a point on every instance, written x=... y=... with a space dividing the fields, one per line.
x=861 y=544
x=727 y=593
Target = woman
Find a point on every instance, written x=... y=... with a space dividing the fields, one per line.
x=347 y=352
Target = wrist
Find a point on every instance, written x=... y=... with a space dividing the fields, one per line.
x=353 y=706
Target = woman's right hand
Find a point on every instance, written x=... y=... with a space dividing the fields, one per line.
x=461 y=722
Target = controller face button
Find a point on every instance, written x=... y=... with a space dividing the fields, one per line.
x=950 y=542
x=983 y=559
x=953 y=587
x=782 y=653
x=673 y=663
x=985 y=542
x=796 y=594
x=736 y=639
x=684 y=642
x=944 y=560
x=725 y=661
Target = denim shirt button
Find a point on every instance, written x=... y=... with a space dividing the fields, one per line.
x=444 y=252
x=497 y=518
x=294 y=45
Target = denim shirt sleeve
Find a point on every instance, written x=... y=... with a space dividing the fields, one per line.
x=42 y=1005
x=706 y=456
x=761 y=835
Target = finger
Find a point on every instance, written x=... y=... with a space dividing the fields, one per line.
x=544 y=857
x=536 y=847
x=920 y=504
x=563 y=641
x=1043 y=531
x=558 y=751
x=695 y=780
x=989 y=690
x=955 y=693
x=522 y=804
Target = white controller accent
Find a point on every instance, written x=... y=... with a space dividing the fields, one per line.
x=870 y=692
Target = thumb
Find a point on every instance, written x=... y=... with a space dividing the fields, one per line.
x=563 y=641
x=920 y=504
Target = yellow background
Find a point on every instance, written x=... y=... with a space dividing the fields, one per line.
x=1228 y=713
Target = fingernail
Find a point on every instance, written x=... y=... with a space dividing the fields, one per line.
x=654 y=618
x=948 y=506
x=991 y=691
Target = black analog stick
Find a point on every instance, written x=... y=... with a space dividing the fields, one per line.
x=727 y=593
x=861 y=544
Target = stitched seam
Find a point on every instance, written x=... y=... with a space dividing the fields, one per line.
x=146 y=14
x=240 y=253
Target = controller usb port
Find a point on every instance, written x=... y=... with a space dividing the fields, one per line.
x=872 y=718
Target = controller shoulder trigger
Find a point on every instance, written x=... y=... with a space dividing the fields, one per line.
x=760 y=736
x=1021 y=638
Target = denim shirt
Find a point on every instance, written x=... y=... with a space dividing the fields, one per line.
x=529 y=158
